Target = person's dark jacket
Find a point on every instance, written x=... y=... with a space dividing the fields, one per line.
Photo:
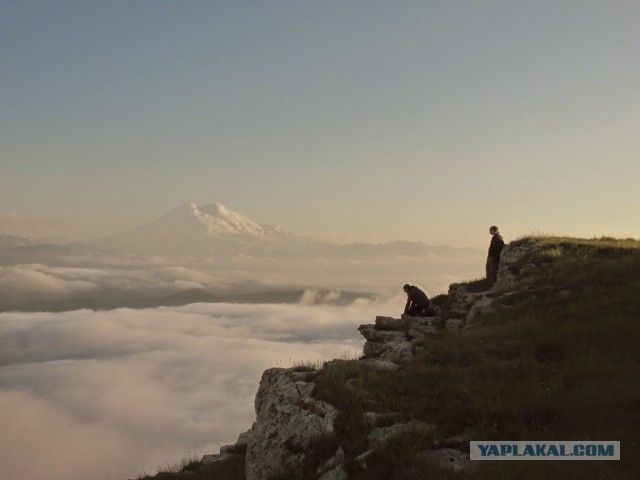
x=496 y=246
x=415 y=296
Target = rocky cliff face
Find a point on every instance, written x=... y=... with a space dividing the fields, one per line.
x=288 y=418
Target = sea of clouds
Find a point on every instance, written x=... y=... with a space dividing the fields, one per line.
x=68 y=280
x=114 y=394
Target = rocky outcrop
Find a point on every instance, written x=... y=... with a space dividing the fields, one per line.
x=289 y=419
x=514 y=267
x=396 y=339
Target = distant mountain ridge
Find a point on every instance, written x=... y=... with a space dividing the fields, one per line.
x=190 y=229
x=212 y=253
x=221 y=221
x=8 y=240
x=216 y=231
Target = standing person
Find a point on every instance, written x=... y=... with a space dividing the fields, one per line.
x=417 y=301
x=493 y=258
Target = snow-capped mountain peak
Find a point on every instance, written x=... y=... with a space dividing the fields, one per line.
x=190 y=229
x=221 y=221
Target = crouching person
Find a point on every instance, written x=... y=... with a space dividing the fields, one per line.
x=417 y=302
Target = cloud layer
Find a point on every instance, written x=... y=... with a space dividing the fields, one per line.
x=113 y=394
x=47 y=282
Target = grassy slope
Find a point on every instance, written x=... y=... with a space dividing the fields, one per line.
x=564 y=365
x=194 y=470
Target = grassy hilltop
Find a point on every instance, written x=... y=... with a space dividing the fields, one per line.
x=560 y=364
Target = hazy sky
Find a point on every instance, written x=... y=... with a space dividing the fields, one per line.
x=349 y=120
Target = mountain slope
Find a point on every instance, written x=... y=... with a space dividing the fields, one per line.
x=195 y=231
x=221 y=221
x=216 y=231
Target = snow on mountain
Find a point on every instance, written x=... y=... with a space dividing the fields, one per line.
x=217 y=233
x=221 y=221
x=193 y=230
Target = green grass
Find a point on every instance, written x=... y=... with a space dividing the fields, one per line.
x=564 y=365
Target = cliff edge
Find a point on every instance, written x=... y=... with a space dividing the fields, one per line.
x=548 y=352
